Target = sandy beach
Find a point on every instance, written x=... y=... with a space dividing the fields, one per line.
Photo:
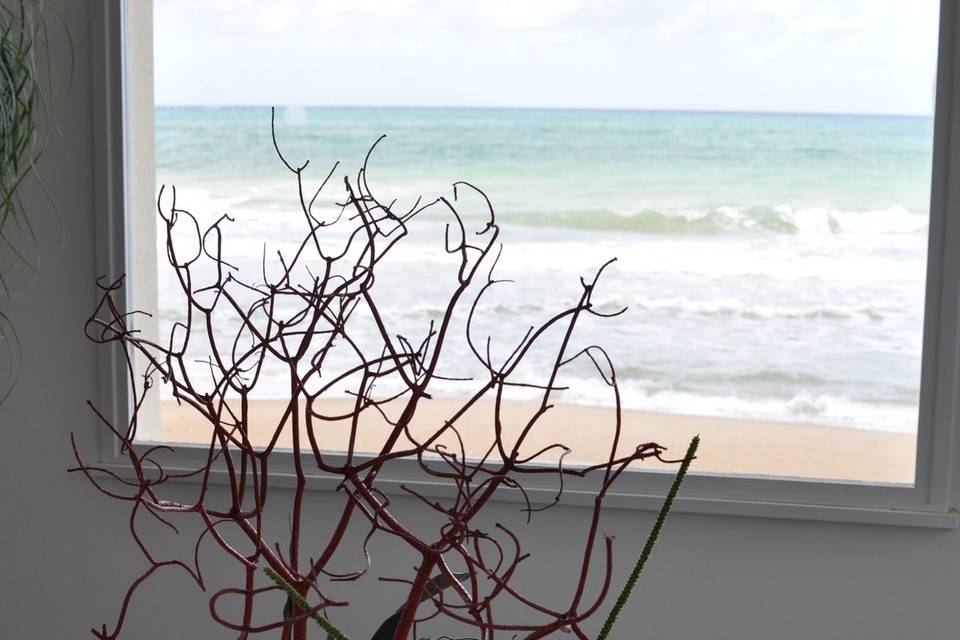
x=751 y=447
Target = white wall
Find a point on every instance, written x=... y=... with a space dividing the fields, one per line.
x=66 y=556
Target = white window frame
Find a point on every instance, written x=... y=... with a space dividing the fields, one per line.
x=925 y=504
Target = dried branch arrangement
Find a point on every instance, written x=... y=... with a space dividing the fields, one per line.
x=299 y=317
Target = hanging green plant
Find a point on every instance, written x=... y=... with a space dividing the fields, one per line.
x=20 y=103
x=23 y=38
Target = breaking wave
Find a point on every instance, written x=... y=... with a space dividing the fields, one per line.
x=781 y=219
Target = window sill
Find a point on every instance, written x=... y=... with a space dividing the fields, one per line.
x=923 y=518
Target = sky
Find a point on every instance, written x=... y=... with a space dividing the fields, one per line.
x=833 y=56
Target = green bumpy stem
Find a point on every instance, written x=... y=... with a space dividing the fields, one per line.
x=651 y=540
x=301 y=602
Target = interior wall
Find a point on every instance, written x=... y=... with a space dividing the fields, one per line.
x=67 y=554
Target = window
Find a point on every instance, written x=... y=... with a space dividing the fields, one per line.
x=770 y=216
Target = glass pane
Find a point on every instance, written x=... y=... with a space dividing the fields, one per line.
x=759 y=170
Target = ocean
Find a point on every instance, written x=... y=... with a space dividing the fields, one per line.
x=772 y=265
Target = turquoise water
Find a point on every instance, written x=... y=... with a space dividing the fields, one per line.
x=773 y=264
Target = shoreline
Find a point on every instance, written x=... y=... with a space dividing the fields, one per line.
x=728 y=445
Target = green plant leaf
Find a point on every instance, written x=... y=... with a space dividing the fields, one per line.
x=24 y=42
x=651 y=540
x=333 y=633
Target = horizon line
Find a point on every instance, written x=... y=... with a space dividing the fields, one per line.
x=551 y=108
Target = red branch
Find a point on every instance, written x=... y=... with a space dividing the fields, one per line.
x=296 y=319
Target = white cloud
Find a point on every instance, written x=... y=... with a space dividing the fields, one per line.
x=276 y=18
x=674 y=24
x=839 y=20
x=755 y=54
x=519 y=14
x=281 y=16
x=372 y=8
